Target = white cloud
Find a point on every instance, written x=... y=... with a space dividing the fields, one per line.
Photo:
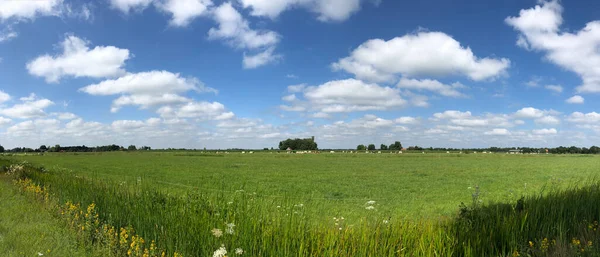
x=555 y=88
x=551 y=131
x=432 y=85
x=4 y=97
x=31 y=108
x=529 y=113
x=296 y=88
x=420 y=54
x=236 y=31
x=534 y=82
x=406 y=120
x=289 y=98
x=539 y=29
x=548 y=120
x=147 y=89
x=7 y=34
x=352 y=95
x=78 y=60
x=184 y=11
x=27 y=9
x=294 y=108
x=326 y=10
x=321 y=115
x=130 y=5
x=260 y=59
x=64 y=115
x=581 y=118
x=497 y=132
x=452 y=114
x=4 y=121
x=198 y=110
x=576 y=99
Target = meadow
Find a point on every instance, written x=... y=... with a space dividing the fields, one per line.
x=278 y=204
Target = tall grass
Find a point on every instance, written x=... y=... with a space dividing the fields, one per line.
x=558 y=223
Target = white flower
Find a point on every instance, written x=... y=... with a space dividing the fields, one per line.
x=239 y=251
x=229 y=203
x=40 y=254
x=386 y=221
x=221 y=252
x=216 y=232
x=370 y=202
x=370 y=207
x=229 y=229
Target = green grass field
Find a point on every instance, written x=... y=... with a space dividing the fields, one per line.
x=292 y=205
x=408 y=185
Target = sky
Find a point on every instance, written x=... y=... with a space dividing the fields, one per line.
x=250 y=73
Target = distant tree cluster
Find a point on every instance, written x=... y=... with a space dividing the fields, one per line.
x=298 y=144
x=83 y=148
x=396 y=146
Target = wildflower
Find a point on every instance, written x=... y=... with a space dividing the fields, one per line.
x=229 y=203
x=576 y=242
x=370 y=207
x=386 y=221
x=229 y=229
x=221 y=252
x=590 y=243
x=531 y=244
x=516 y=253
x=370 y=202
x=239 y=251
x=40 y=254
x=216 y=232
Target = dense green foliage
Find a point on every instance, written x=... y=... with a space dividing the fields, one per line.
x=298 y=144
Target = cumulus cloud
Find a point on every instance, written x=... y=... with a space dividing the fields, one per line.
x=406 y=120
x=539 y=29
x=555 y=88
x=147 y=89
x=260 y=59
x=421 y=54
x=29 y=10
x=4 y=97
x=548 y=120
x=497 y=132
x=352 y=95
x=326 y=10
x=584 y=118
x=236 y=31
x=184 y=11
x=4 y=121
x=78 y=60
x=529 y=113
x=576 y=99
x=433 y=86
x=551 y=131
x=130 y=5
x=27 y=109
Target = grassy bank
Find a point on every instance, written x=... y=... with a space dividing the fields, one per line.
x=28 y=229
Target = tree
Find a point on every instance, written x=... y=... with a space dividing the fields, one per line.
x=266 y=149
x=371 y=147
x=43 y=148
x=298 y=144
x=396 y=146
x=383 y=147
x=131 y=148
x=361 y=148
x=1 y=149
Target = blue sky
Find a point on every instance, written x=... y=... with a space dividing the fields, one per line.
x=250 y=73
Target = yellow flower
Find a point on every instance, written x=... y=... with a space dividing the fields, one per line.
x=531 y=244
x=516 y=253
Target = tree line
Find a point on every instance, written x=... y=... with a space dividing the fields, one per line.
x=83 y=148
x=396 y=146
